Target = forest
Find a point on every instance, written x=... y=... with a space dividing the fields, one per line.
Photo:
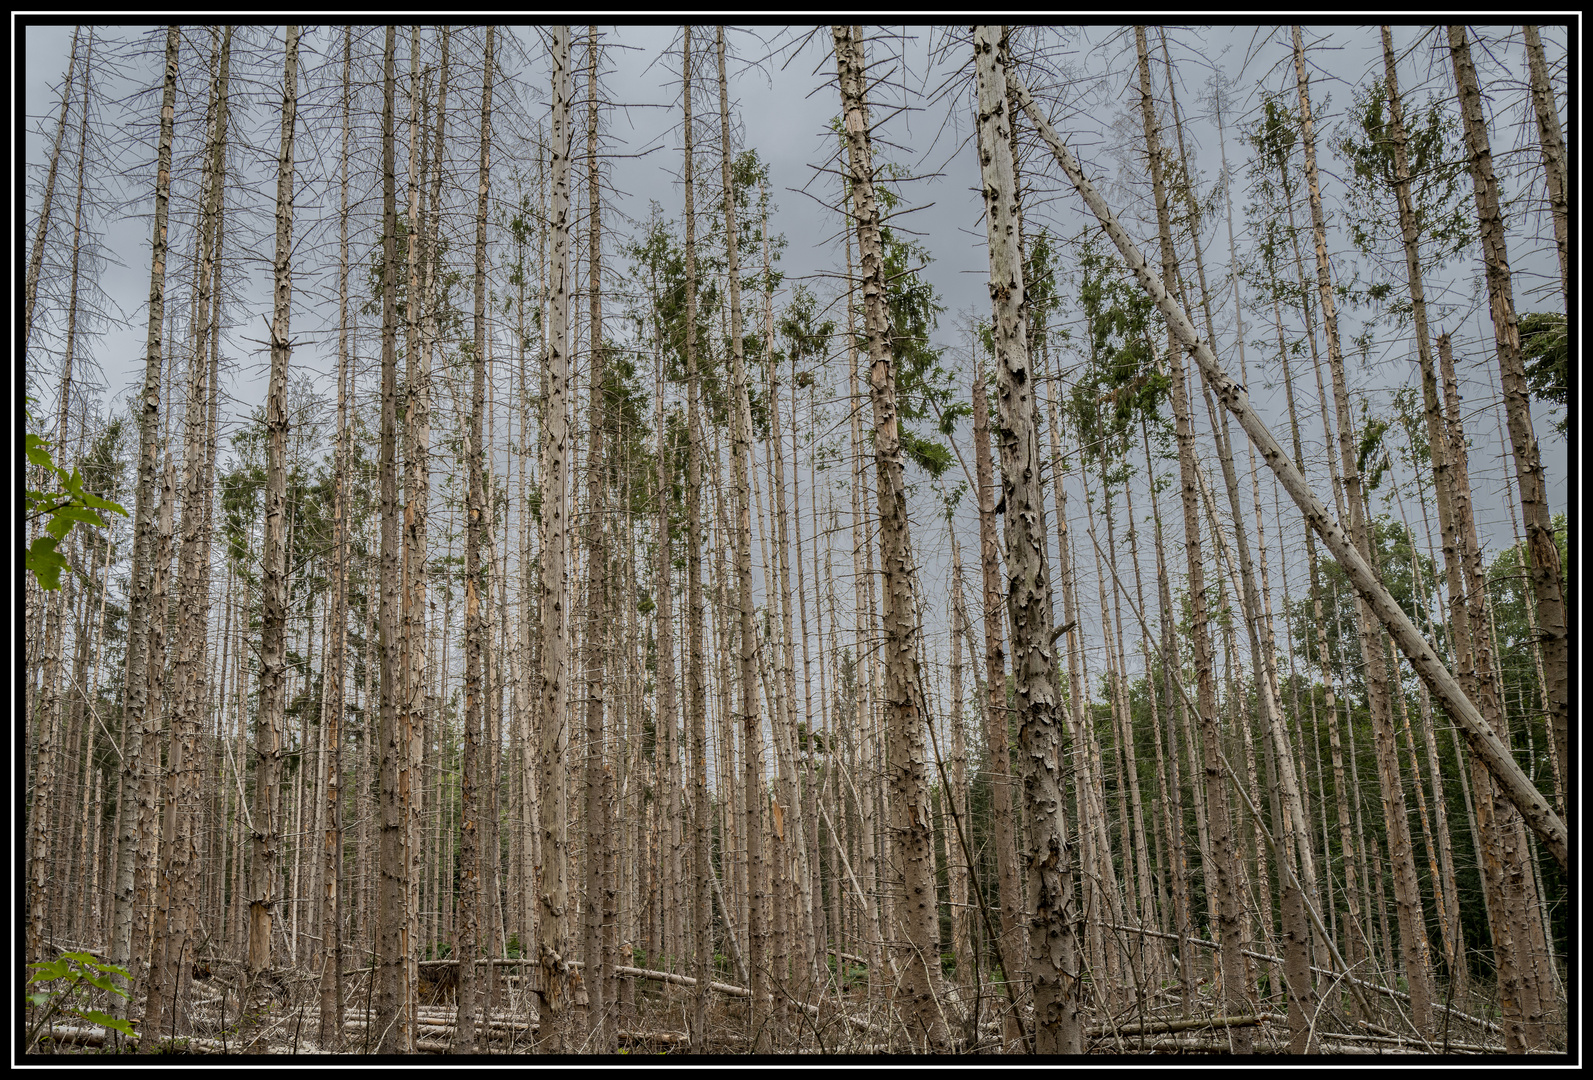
x=702 y=540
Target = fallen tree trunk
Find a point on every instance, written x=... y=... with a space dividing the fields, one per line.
x=1098 y=1031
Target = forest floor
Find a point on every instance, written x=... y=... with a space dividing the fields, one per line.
x=281 y=1017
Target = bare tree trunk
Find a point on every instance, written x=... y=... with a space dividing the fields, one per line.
x=1412 y=926
x=597 y=976
x=751 y=722
x=331 y=1003
x=958 y=874
x=554 y=898
x=1224 y=856
x=996 y=724
x=1547 y=574
x=696 y=675
x=1436 y=439
x=909 y=789
x=30 y=286
x=178 y=889
x=1552 y=141
x=475 y=875
x=1500 y=843
x=136 y=685
x=1053 y=959
x=393 y=1020
x=274 y=592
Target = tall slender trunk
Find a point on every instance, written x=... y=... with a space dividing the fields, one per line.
x=178 y=890
x=136 y=684
x=554 y=897
x=696 y=669
x=904 y=706
x=1412 y=925
x=594 y=640
x=476 y=871
x=274 y=590
x=1052 y=958
x=331 y=1000
x=996 y=723
x=30 y=286
x=1544 y=554
x=392 y=1019
x=1224 y=855
x=1436 y=439
x=1501 y=847
x=958 y=873
x=751 y=721
x=1552 y=142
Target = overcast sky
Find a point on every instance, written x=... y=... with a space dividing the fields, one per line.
x=784 y=95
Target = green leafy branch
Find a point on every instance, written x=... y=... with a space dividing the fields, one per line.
x=70 y=504
x=73 y=970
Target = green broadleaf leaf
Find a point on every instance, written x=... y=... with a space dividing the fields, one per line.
x=46 y=564
x=94 y=1016
x=100 y=981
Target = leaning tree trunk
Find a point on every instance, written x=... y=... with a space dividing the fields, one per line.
x=1053 y=957
x=1552 y=141
x=904 y=705
x=1544 y=554
x=1540 y=817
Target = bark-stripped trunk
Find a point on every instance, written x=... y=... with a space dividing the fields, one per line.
x=554 y=896
x=1544 y=555
x=1053 y=958
x=904 y=707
